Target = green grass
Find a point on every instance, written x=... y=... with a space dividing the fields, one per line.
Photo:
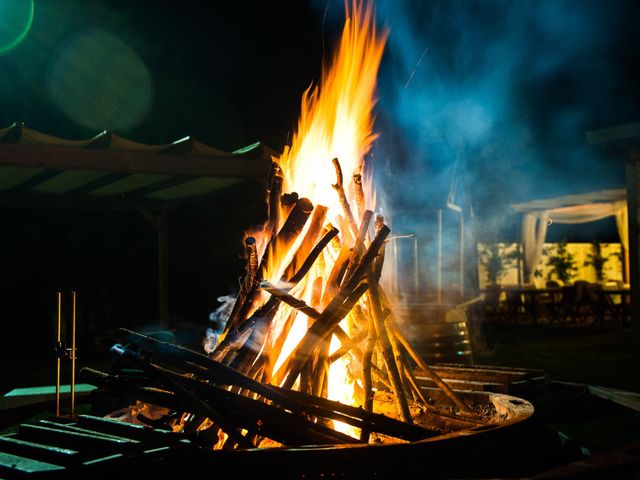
x=579 y=355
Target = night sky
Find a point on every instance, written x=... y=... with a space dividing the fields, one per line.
x=508 y=88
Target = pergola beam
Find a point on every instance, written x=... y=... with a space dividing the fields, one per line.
x=252 y=164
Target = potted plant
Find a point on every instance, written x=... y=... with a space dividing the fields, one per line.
x=561 y=263
x=497 y=259
x=597 y=261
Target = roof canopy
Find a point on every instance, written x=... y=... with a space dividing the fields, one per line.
x=109 y=171
x=601 y=196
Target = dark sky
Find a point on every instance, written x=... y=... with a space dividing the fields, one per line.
x=508 y=87
x=228 y=73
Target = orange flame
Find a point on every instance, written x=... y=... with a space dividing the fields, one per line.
x=336 y=121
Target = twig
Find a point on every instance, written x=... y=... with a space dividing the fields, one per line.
x=339 y=188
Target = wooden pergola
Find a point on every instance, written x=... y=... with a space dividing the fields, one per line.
x=110 y=172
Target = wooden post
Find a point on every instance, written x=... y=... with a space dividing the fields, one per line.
x=519 y=246
x=163 y=268
x=159 y=222
x=634 y=256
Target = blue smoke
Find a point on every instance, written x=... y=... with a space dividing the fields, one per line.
x=503 y=91
x=509 y=86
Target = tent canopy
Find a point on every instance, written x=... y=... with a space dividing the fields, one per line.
x=569 y=209
x=600 y=196
x=110 y=171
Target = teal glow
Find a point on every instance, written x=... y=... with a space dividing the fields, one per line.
x=16 y=18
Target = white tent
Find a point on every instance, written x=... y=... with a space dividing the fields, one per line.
x=568 y=209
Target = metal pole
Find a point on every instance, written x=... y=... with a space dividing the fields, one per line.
x=58 y=353
x=73 y=355
x=416 y=267
x=461 y=257
x=439 y=255
x=394 y=275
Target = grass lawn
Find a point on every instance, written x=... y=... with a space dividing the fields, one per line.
x=581 y=355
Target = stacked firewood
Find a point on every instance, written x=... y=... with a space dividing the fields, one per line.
x=240 y=392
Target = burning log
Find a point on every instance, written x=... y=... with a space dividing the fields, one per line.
x=194 y=392
x=310 y=301
x=339 y=188
x=274 y=192
x=358 y=192
x=282 y=240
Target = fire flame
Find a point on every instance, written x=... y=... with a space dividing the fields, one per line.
x=336 y=122
x=336 y=119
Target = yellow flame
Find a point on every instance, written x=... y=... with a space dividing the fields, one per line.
x=336 y=121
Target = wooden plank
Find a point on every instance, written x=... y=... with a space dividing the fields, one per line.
x=75 y=202
x=634 y=257
x=38 y=451
x=621 y=397
x=18 y=465
x=252 y=164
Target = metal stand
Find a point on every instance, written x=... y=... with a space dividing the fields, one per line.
x=62 y=352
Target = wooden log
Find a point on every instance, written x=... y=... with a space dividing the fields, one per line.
x=358 y=192
x=321 y=328
x=316 y=222
x=276 y=345
x=187 y=397
x=347 y=346
x=274 y=190
x=464 y=409
x=367 y=384
x=313 y=255
x=338 y=270
x=262 y=418
x=283 y=240
x=377 y=422
x=339 y=188
x=359 y=246
x=387 y=355
x=252 y=260
x=235 y=340
x=285 y=297
x=288 y=200
x=205 y=368
x=337 y=309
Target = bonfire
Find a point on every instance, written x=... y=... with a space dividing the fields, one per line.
x=309 y=351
